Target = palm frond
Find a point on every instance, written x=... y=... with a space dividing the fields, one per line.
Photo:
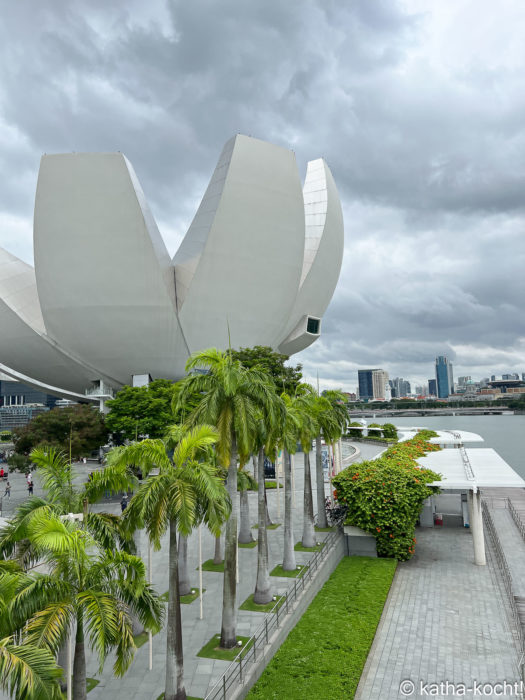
x=28 y=673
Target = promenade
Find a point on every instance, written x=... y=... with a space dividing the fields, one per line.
x=140 y=683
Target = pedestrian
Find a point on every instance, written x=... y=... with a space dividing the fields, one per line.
x=1 y=474
x=123 y=503
x=30 y=488
x=8 y=489
x=29 y=478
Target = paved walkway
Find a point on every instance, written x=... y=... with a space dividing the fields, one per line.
x=445 y=620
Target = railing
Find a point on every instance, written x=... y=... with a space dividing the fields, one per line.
x=516 y=517
x=507 y=578
x=236 y=673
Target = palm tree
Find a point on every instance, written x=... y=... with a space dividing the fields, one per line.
x=289 y=432
x=94 y=589
x=308 y=429
x=26 y=671
x=229 y=397
x=245 y=481
x=182 y=491
x=327 y=428
x=62 y=497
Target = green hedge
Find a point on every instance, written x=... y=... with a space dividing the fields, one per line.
x=384 y=496
x=324 y=655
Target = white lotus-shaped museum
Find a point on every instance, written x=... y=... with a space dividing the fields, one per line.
x=105 y=302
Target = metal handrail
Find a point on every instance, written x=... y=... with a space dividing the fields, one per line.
x=236 y=672
x=507 y=578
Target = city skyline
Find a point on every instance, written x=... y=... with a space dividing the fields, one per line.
x=416 y=107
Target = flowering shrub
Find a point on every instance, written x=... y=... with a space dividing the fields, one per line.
x=384 y=496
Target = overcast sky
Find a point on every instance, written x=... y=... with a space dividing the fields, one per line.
x=418 y=107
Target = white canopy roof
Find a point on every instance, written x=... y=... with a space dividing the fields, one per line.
x=470 y=469
x=445 y=437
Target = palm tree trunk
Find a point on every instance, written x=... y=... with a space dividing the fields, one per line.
x=263 y=592
x=79 y=662
x=184 y=577
x=62 y=658
x=319 y=478
x=229 y=591
x=217 y=555
x=268 y=519
x=136 y=624
x=289 y=562
x=174 y=689
x=308 y=517
x=255 y=464
x=245 y=532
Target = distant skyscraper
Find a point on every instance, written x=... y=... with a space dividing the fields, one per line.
x=462 y=381
x=514 y=375
x=372 y=383
x=444 y=377
x=432 y=387
x=400 y=387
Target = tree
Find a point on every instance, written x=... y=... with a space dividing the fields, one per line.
x=78 y=430
x=186 y=491
x=229 y=397
x=285 y=378
x=57 y=476
x=94 y=588
x=26 y=671
x=327 y=427
x=308 y=430
x=245 y=482
x=141 y=411
x=288 y=435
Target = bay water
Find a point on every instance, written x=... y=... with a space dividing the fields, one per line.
x=505 y=433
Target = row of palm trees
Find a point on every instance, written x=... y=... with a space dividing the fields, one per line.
x=224 y=414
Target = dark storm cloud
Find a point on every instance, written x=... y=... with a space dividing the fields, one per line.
x=419 y=112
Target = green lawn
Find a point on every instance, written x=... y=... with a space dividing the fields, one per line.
x=210 y=566
x=299 y=547
x=212 y=650
x=254 y=607
x=324 y=655
x=294 y=573
x=247 y=545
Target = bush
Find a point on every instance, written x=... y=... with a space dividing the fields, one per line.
x=5 y=436
x=19 y=463
x=389 y=431
x=384 y=496
x=375 y=433
x=352 y=433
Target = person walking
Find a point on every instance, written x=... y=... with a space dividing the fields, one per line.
x=1 y=473
x=30 y=487
x=7 y=489
x=123 y=503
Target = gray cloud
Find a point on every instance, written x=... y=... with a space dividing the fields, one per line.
x=420 y=113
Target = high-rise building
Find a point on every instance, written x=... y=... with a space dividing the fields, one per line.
x=462 y=381
x=514 y=375
x=432 y=387
x=372 y=384
x=400 y=387
x=444 y=377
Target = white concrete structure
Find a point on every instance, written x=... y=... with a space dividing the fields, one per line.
x=105 y=302
x=466 y=471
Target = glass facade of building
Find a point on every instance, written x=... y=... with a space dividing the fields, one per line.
x=444 y=377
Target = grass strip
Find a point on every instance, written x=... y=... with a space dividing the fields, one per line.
x=316 y=548
x=247 y=545
x=294 y=573
x=190 y=597
x=324 y=529
x=268 y=527
x=323 y=656
x=272 y=485
x=210 y=566
x=254 y=607
x=212 y=650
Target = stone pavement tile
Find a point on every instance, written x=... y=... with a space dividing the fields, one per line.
x=445 y=619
